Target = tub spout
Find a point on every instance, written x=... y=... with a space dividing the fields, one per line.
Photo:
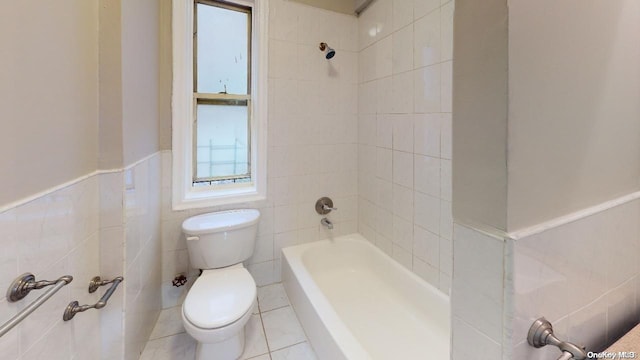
x=327 y=223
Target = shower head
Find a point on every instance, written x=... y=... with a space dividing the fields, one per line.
x=329 y=52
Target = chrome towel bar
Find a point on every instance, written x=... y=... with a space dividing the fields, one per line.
x=74 y=307
x=21 y=287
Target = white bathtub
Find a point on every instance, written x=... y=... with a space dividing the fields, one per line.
x=354 y=302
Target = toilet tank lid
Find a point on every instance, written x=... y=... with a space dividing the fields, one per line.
x=220 y=221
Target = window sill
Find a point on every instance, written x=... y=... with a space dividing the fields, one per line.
x=210 y=198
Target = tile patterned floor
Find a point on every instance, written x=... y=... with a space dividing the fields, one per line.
x=272 y=333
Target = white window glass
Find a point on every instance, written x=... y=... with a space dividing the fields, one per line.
x=222 y=145
x=222 y=50
x=222 y=149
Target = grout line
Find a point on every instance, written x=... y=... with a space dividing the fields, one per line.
x=278 y=308
x=264 y=331
x=292 y=345
x=166 y=336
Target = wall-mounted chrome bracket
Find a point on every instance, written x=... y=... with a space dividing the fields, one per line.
x=541 y=334
x=23 y=284
x=96 y=282
x=21 y=288
x=74 y=307
x=324 y=205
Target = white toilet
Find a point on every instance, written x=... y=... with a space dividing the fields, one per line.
x=220 y=301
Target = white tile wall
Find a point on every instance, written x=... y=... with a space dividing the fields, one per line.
x=478 y=286
x=142 y=253
x=404 y=136
x=51 y=236
x=582 y=276
x=312 y=139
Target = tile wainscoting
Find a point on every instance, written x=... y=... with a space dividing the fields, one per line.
x=106 y=224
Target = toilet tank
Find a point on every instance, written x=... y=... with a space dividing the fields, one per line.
x=221 y=239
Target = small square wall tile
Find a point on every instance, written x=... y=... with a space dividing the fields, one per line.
x=8 y=259
x=403 y=132
x=384 y=131
x=469 y=343
x=402 y=14
x=402 y=57
x=383 y=51
x=57 y=338
x=426 y=211
x=427 y=44
x=9 y=343
x=446 y=137
x=403 y=233
x=477 y=294
x=384 y=167
x=403 y=202
x=426 y=246
x=401 y=93
x=426 y=134
x=424 y=7
x=446 y=86
x=587 y=325
x=402 y=256
x=446 y=31
x=403 y=169
x=282 y=328
x=425 y=271
x=427 y=89
x=262 y=273
x=272 y=297
x=427 y=175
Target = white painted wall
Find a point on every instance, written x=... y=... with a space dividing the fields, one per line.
x=140 y=79
x=480 y=101
x=49 y=92
x=574 y=85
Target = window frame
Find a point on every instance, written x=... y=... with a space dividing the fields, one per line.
x=184 y=100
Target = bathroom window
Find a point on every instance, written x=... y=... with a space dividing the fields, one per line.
x=219 y=102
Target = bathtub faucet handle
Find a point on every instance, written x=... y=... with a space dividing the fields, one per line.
x=328 y=208
x=324 y=205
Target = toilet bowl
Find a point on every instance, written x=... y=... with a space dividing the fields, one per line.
x=220 y=302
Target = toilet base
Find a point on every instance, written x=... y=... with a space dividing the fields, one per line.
x=229 y=349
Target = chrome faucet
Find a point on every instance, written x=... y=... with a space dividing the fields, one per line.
x=326 y=223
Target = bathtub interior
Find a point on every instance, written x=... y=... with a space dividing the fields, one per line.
x=378 y=300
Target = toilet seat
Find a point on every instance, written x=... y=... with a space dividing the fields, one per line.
x=220 y=297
